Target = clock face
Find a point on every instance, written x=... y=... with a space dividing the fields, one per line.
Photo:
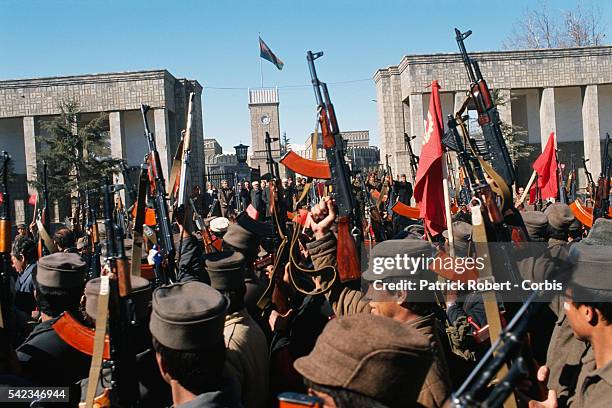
x=265 y=119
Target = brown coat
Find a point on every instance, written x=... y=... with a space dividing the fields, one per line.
x=594 y=387
x=563 y=359
x=345 y=301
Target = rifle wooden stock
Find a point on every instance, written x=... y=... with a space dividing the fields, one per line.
x=5 y=236
x=123 y=277
x=78 y=336
x=310 y=168
x=347 y=257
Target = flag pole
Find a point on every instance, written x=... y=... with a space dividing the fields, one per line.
x=447 y=206
x=260 y=62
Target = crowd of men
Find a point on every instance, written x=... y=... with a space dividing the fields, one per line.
x=205 y=341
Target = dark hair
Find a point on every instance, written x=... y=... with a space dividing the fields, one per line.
x=55 y=301
x=236 y=298
x=580 y=294
x=345 y=398
x=198 y=371
x=24 y=246
x=64 y=238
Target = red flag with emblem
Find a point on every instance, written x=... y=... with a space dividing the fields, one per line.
x=546 y=167
x=428 y=189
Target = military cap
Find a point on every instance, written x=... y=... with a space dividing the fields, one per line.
x=140 y=294
x=246 y=234
x=61 y=270
x=188 y=316
x=462 y=235
x=592 y=265
x=226 y=270
x=600 y=233
x=560 y=217
x=393 y=249
x=415 y=231
x=388 y=363
x=219 y=224
x=536 y=223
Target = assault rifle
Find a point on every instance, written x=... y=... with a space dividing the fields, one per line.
x=93 y=237
x=45 y=243
x=5 y=245
x=572 y=181
x=130 y=197
x=602 y=195
x=561 y=180
x=494 y=147
x=414 y=159
x=348 y=258
x=590 y=183
x=165 y=241
x=472 y=393
x=121 y=309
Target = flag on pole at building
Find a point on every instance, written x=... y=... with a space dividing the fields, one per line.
x=266 y=53
x=546 y=167
x=428 y=189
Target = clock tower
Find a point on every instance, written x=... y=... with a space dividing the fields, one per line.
x=263 y=105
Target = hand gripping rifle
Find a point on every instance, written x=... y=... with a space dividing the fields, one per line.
x=590 y=183
x=473 y=392
x=602 y=195
x=5 y=245
x=348 y=258
x=488 y=117
x=561 y=180
x=121 y=309
x=165 y=241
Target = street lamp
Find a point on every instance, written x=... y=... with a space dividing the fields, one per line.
x=241 y=153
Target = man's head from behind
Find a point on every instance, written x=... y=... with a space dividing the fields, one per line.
x=386 y=366
x=187 y=332
x=64 y=238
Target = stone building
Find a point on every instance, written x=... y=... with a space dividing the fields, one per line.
x=26 y=103
x=568 y=91
x=263 y=107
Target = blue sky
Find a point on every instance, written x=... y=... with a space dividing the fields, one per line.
x=215 y=42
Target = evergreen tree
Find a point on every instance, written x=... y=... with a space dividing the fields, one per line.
x=77 y=152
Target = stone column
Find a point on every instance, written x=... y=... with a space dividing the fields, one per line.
x=590 y=128
x=459 y=99
x=417 y=123
x=160 y=118
x=117 y=142
x=505 y=111
x=548 y=121
x=29 y=141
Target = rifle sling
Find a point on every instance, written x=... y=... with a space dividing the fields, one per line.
x=44 y=235
x=98 y=346
x=479 y=235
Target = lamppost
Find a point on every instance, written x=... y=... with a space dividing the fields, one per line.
x=242 y=170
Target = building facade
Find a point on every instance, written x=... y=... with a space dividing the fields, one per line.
x=566 y=91
x=27 y=103
x=264 y=111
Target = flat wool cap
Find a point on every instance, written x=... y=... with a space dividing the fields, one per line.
x=392 y=249
x=600 y=233
x=140 y=294
x=536 y=223
x=594 y=262
x=560 y=216
x=226 y=270
x=219 y=224
x=462 y=235
x=188 y=316
x=61 y=270
x=246 y=234
x=388 y=363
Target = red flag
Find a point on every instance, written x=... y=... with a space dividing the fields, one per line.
x=428 y=189
x=32 y=199
x=1 y=198
x=546 y=167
